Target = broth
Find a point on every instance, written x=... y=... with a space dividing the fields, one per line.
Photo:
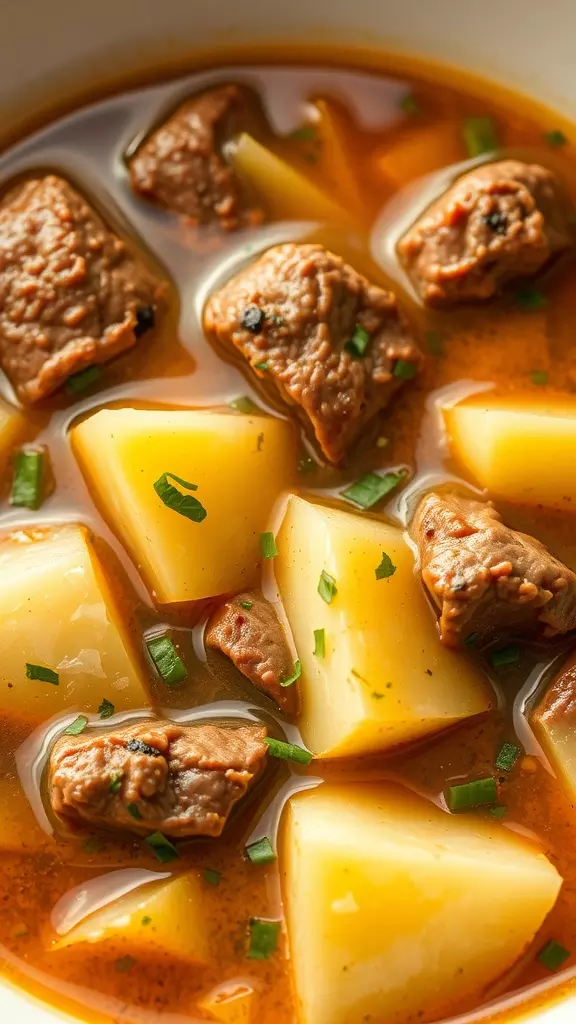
x=498 y=346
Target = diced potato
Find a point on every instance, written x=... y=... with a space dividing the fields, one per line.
x=58 y=612
x=335 y=161
x=168 y=915
x=554 y=723
x=19 y=830
x=231 y=1003
x=417 y=151
x=287 y=193
x=240 y=465
x=385 y=678
x=395 y=906
x=521 y=451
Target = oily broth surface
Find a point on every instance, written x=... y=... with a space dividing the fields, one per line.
x=495 y=346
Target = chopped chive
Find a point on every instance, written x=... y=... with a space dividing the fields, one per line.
x=507 y=757
x=410 y=105
x=327 y=587
x=358 y=342
x=478 y=793
x=92 y=845
x=248 y=605
x=305 y=133
x=166 y=659
x=479 y=135
x=146 y=920
x=43 y=674
x=77 y=726
x=106 y=709
x=433 y=342
x=268 y=545
x=28 y=479
x=262 y=366
x=555 y=138
x=211 y=876
x=288 y=751
x=371 y=488
x=116 y=782
x=294 y=675
x=539 y=376
x=261 y=852
x=134 y=810
x=498 y=812
x=243 y=404
x=263 y=938
x=83 y=380
x=386 y=568
x=306 y=464
x=530 y=299
x=404 y=369
x=319 y=643
x=164 y=850
x=184 y=504
x=505 y=656
x=471 y=639
x=124 y=963
x=553 y=955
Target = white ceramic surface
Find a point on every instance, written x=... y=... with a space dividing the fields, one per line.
x=50 y=47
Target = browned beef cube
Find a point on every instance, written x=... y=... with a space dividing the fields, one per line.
x=247 y=630
x=334 y=345
x=71 y=293
x=499 y=222
x=181 y=166
x=156 y=776
x=485 y=577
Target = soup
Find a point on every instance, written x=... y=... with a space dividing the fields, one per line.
x=288 y=586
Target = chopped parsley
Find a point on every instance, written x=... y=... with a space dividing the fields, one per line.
x=92 y=845
x=116 y=782
x=184 y=504
x=288 y=751
x=164 y=850
x=43 y=674
x=146 y=920
x=498 y=812
x=77 y=726
x=124 y=963
x=83 y=380
x=327 y=587
x=263 y=940
x=268 y=547
x=371 y=488
x=433 y=342
x=505 y=657
x=297 y=672
x=553 y=955
x=243 y=404
x=539 y=377
x=480 y=135
x=262 y=366
x=167 y=661
x=530 y=299
x=404 y=369
x=135 y=811
x=469 y=795
x=507 y=757
x=319 y=643
x=27 y=485
x=386 y=568
x=247 y=605
x=211 y=876
x=261 y=852
x=106 y=709
x=305 y=133
x=555 y=138
x=358 y=342
x=306 y=464
x=470 y=640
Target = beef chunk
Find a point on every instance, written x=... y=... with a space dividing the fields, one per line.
x=182 y=780
x=334 y=345
x=498 y=222
x=181 y=166
x=71 y=293
x=247 y=630
x=483 y=576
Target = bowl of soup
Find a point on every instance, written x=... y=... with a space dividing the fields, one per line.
x=288 y=571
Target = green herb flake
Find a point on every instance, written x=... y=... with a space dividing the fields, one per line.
x=478 y=793
x=106 y=709
x=507 y=757
x=498 y=812
x=27 y=484
x=386 y=568
x=295 y=674
x=116 y=782
x=371 y=488
x=530 y=299
x=553 y=955
x=327 y=587
x=167 y=661
x=261 y=852
x=410 y=105
x=83 y=380
x=305 y=133
x=471 y=640
x=211 y=876
x=555 y=138
x=404 y=369
x=42 y=674
x=480 y=135
x=358 y=342
x=319 y=643
x=288 y=751
x=268 y=547
x=377 y=696
x=248 y=605
x=124 y=963
x=77 y=726
x=262 y=366
x=306 y=465
x=92 y=845
x=146 y=920
x=505 y=657
x=184 y=504
x=263 y=939
x=164 y=850
x=539 y=377
x=135 y=811
x=433 y=342
x=243 y=404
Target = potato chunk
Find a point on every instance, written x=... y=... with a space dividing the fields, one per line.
x=240 y=465
x=58 y=612
x=554 y=722
x=169 y=916
x=396 y=908
x=375 y=687
x=521 y=452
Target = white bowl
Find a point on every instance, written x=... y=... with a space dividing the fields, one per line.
x=54 y=51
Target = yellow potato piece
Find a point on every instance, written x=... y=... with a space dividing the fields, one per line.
x=230 y=1003
x=240 y=465
x=385 y=677
x=554 y=723
x=58 y=612
x=394 y=906
x=417 y=151
x=287 y=193
x=167 y=916
x=521 y=451
x=19 y=830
